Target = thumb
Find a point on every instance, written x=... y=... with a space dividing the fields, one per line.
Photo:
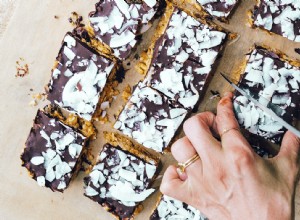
x=290 y=147
x=172 y=185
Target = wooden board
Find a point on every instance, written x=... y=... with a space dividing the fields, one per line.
x=35 y=35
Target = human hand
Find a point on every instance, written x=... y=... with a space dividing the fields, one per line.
x=230 y=181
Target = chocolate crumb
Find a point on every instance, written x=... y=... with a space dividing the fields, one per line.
x=120 y=75
x=297 y=50
x=215 y=94
x=56 y=17
x=76 y=19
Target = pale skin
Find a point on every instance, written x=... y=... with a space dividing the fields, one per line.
x=230 y=181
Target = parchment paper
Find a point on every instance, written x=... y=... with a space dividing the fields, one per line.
x=35 y=35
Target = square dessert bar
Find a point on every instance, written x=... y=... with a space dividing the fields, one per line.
x=220 y=9
x=183 y=58
x=169 y=208
x=52 y=152
x=150 y=118
x=269 y=78
x=117 y=23
x=120 y=181
x=279 y=17
x=79 y=78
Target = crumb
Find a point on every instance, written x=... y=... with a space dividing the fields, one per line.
x=37 y=98
x=22 y=68
x=76 y=19
x=297 y=50
x=33 y=103
x=215 y=94
x=103 y=120
x=56 y=17
x=126 y=93
x=31 y=90
x=234 y=38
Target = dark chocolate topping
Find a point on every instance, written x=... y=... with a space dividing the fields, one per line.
x=115 y=168
x=79 y=77
x=280 y=17
x=52 y=151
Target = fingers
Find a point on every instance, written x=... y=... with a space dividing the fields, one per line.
x=198 y=131
x=172 y=186
x=182 y=151
x=227 y=124
x=290 y=148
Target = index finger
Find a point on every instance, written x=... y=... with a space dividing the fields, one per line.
x=198 y=130
x=228 y=125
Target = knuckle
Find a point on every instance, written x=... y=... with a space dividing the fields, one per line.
x=220 y=174
x=177 y=146
x=241 y=157
x=191 y=124
x=197 y=120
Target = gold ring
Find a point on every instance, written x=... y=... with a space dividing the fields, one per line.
x=182 y=166
x=227 y=130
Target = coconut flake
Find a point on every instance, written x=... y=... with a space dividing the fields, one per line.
x=41 y=180
x=122 y=39
x=69 y=53
x=89 y=191
x=61 y=185
x=46 y=137
x=150 y=3
x=50 y=175
x=150 y=170
x=128 y=175
x=71 y=42
x=37 y=160
x=123 y=192
x=56 y=72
